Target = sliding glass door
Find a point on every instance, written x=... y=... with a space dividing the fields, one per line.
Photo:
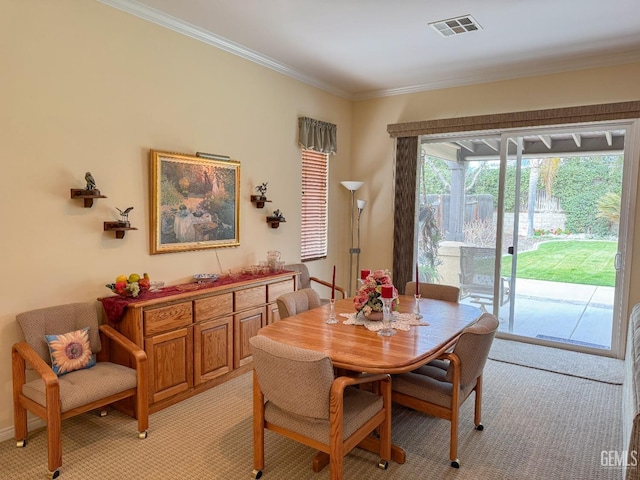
x=527 y=224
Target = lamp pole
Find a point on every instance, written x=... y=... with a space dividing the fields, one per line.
x=352 y=186
x=361 y=205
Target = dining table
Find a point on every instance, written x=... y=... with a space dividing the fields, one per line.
x=353 y=344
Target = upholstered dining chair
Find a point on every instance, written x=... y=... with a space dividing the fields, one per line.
x=299 y=301
x=448 y=293
x=440 y=387
x=60 y=343
x=307 y=281
x=307 y=403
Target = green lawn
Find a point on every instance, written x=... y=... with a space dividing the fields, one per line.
x=569 y=261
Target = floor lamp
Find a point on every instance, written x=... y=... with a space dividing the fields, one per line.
x=352 y=187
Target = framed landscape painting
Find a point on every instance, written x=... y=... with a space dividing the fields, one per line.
x=194 y=202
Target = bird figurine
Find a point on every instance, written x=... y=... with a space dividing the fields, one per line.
x=91 y=183
x=125 y=214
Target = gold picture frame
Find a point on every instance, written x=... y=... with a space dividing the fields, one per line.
x=195 y=202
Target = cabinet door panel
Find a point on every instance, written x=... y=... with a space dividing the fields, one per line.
x=170 y=363
x=213 y=349
x=246 y=325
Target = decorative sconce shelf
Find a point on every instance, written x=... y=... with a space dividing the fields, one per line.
x=86 y=195
x=259 y=200
x=275 y=221
x=119 y=227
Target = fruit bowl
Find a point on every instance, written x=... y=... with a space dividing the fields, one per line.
x=128 y=290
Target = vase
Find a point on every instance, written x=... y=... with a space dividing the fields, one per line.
x=374 y=316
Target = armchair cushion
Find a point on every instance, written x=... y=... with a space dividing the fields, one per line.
x=85 y=386
x=70 y=351
x=359 y=406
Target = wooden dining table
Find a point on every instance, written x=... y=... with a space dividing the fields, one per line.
x=357 y=349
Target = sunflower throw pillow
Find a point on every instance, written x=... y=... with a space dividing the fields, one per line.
x=70 y=351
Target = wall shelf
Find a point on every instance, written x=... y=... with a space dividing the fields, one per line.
x=259 y=200
x=275 y=221
x=86 y=195
x=119 y=227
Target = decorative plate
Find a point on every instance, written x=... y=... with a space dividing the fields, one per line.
x=205 y=277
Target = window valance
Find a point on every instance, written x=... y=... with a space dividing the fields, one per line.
x=317 y=135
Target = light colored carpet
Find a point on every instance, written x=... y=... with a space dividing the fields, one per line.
x=575 y=364
x=539 y=425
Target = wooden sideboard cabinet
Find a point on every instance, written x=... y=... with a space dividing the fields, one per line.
x=198 y=339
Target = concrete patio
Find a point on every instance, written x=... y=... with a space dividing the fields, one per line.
x=567 y=313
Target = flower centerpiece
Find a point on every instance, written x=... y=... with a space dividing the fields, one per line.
x=368 y=299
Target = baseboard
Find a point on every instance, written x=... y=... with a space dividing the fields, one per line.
x=7 y=433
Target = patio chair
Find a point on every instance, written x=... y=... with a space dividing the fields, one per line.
x=441 y=387
x=477 y=273
x=307 y=403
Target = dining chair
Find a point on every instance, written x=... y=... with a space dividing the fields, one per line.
x=60 y=344
x=307 y=281
x=307 y=403
x=299 y=301
x=440 y=387
x=448 y=293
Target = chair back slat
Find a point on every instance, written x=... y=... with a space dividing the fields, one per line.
x=294 y=379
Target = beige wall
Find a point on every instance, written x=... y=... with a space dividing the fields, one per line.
x=86 y=87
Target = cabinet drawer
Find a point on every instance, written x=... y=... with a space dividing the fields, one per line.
x=250 y=297
x=276 y=289
x=212 y=307
x=167 y=318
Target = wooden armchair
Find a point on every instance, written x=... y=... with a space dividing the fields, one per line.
x=74 y=384
x=307 y=403
x=307 y=281
x=440 y=387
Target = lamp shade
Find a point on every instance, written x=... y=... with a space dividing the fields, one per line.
x=361 y=204
x=351 y=185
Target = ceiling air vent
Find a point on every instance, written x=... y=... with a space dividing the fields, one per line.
x=456 y=26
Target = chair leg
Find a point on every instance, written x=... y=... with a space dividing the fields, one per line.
x=20 y=423
x=477 y=416
x=54 y=441
x=258 y=428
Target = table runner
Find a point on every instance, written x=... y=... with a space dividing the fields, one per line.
x=115 y=305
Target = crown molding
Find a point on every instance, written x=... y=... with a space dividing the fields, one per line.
x=511 y=73
x=543 y=67
x=160 y=18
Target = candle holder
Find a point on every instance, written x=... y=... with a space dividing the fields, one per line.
x=332 y=312
x=386 y=330
x=416 y=307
